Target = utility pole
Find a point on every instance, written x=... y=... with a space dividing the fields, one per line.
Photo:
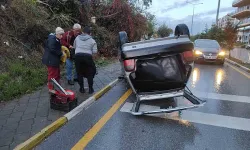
x=218 y=11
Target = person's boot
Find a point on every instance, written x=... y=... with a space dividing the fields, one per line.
x=91 y=90
x=70 y=82
x=82 y=90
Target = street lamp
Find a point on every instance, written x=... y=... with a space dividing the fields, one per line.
x=193 y=14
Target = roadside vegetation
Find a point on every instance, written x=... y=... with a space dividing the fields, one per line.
x=226 y=37
x=164 y=31
x=25 y=24
x=22 y=77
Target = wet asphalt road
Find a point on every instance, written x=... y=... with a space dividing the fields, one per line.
x=219 y=79
x=222 y=123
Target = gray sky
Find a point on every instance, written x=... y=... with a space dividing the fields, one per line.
x=173 y=12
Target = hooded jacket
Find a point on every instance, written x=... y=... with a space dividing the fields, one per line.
x=52 y=53
x=84 y=43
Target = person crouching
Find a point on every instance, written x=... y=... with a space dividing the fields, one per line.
x=85 y=46
x=52 y=56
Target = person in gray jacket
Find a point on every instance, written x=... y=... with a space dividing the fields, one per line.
x=85 y=46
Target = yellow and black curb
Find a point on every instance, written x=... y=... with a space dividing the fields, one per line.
x=47 y=131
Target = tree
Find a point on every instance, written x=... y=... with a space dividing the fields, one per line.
x=226 y=37
x=151 y=24
x=216 y=33
x=206 y=29
x=230 y=32
x=164 y=31
x=141 y=4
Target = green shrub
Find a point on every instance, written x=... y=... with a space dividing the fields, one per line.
x=22 y=78
x=3 y=79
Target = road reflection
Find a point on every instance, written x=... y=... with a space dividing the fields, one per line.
x=219 y=76
x=195 y=76
x=177 y=116
x=215 y=79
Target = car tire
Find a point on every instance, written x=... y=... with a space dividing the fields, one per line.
x=181 y=29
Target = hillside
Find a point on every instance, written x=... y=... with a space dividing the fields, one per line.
x=25 y=24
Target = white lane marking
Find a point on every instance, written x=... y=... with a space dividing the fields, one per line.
x=225 y=97
x=197 y=117
x=79 y=108
x=85 y=104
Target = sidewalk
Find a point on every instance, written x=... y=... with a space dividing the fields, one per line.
x=24 y=117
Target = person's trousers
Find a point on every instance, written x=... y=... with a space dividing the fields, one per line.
x=70 y=71
x=53 y=72
x=85 y=67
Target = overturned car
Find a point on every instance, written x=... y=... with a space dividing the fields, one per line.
x=159 y=69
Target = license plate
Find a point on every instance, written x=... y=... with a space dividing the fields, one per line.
x=210 y=57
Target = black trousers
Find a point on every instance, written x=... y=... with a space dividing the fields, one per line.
x=85 y=68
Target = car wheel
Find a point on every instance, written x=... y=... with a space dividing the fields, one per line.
x=182 y=29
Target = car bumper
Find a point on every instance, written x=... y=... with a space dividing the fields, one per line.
x=213 y=59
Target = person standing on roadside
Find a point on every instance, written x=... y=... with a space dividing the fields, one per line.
x=85 y=46
x=68 y=41
x=52 y=55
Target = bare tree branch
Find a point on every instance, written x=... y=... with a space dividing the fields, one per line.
x=40 y=2
x=109 y=16
x=13 y=37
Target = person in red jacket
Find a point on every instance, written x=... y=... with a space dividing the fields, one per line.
x=68 y=41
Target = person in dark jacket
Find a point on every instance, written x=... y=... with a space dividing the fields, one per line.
x=85 y=46
x=52 y=55
x=68 y=41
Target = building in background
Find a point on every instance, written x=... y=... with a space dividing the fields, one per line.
x=243 y=14
x=223 y=21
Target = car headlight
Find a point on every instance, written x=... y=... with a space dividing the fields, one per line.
x=198 y=52
x=222 y=53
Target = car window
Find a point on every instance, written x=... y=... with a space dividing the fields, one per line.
x=207 y=44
